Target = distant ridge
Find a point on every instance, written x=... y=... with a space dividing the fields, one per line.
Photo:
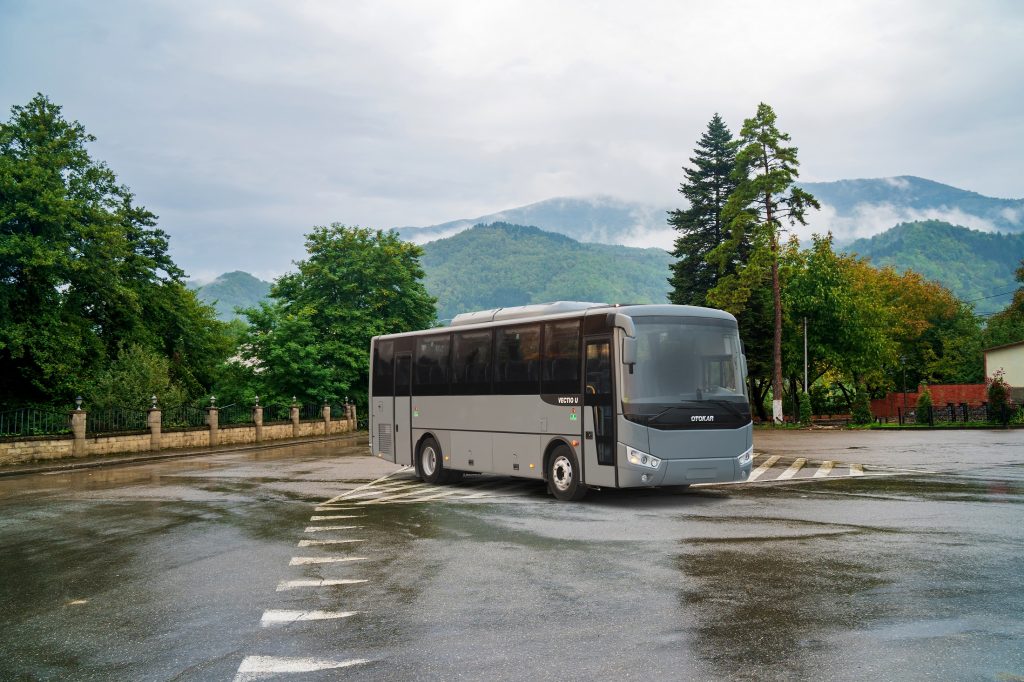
x=974 y=265
x=232 y=290
x=504 y=265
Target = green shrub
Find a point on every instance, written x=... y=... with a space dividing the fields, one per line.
x=924 y=399
x=805 y=409
x=862 y=408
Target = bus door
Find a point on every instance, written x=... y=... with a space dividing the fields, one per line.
x=403 y=408
x=598 y=413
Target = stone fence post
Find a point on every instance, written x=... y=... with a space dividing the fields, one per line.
x=257 y=420
x=155 y=421
x=352 y=422
x=78 y=431
x=212 y=422
x=326 y=412
x=295 y=418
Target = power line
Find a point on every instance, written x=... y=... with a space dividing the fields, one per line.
x=992 y=296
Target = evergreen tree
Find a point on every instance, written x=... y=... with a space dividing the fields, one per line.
x=707 y=186
x=765 y=199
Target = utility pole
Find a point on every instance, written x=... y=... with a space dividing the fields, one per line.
x=805 y=355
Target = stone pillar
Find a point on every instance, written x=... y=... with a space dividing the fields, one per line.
x=211 y=421
x=352 y=417
x=257 y=420
x=154 y=421
x=326 y=411
x=295 y=420
x=78 y=431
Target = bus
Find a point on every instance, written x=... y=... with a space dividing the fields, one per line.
x=580 y=395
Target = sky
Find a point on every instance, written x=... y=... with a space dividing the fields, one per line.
x=244 y=123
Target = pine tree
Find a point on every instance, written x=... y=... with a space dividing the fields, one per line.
x=764 y=200
x=707 y=186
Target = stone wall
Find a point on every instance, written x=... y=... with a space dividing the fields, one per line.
x=41 y=448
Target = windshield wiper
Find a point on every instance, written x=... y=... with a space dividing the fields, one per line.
x=729 y=405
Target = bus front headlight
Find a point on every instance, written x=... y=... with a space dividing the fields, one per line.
x=747 y=456
x=634 y=456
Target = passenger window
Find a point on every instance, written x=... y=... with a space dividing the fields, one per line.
x=471 y=363
x=561 y=357
x=517 y=360
x=431 y=373
x=383 y=368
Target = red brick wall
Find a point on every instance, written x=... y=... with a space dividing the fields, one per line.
x=972 y=394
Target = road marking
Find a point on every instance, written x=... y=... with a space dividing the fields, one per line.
x=333 y=508
x=317 y=543
x=856 y=469
x=317 y=529
x=825 y=469
x=488 y=493
x=367 y=485
x=259 y=667
x=384 y=490
x=434 y=496
x=326 y=582
x=759 y=471
x=304 y=560
x=795 y=467
x=329 y=518
x=277 y=617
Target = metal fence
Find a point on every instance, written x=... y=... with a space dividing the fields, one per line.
x=182 y=417
x=276 y=413
x=234 y=414
x=952 y=414
x=116 y=420
x=33 y=421
x=311 y=412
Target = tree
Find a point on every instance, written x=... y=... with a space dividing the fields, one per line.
x=83 y=270
x=1007 y=326
x=764 y=200
x=707 y=186
x=312 y=340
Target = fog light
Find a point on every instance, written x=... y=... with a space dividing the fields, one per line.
x=645 y=478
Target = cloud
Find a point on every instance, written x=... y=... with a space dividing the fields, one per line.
x=867 y=220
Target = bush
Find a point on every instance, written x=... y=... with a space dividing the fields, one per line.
x=924 y=399
x=998 y=389
x=805 y=409
x=862 y=408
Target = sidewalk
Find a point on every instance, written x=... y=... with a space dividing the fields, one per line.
x=74 y=464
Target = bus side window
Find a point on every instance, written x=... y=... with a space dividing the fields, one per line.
x=430 y=376
x=561 y=357
x=471 y=363
x=517 y=360
x=384 y=368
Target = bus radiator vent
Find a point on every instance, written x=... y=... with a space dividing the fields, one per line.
x=384 y=439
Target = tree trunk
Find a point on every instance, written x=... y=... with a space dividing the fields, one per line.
x=777 y=340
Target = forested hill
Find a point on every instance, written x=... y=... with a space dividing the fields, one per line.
x=500 y=265
x=232 y=290
x=972 y=264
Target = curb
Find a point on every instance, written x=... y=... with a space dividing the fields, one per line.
x=69 y=465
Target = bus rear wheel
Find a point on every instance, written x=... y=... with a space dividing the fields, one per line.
x=430 y=464
x=564 y=475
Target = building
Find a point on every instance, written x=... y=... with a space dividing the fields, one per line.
x=1010 y=359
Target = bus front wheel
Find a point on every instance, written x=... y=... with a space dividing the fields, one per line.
x=564 y=475
x=431 y=466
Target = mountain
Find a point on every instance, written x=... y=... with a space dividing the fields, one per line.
x=603 y=220
x=232 y=290
x=854 y=209
x=851 y=209
x=975 y=265
x=500 y=265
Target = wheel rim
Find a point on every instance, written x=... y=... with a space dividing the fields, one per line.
x=561 y=473
x=429 y=460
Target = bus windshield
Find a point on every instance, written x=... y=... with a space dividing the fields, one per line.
x=686 y=362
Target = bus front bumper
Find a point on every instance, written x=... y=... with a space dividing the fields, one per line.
x=688 y=471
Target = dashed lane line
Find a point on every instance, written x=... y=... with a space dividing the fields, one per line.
x=286 y=616
x=328 y=518
x=825 y=469
x=306 y=560
x=261 y=667
x=319 y=543
x=332 y=508
x=325 y=582
x=793 y=469
x=317 y=529
x=759 y=471
x=856 y=469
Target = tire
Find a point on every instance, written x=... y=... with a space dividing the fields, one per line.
x=430 y=464
x=429 y=460
x=564 y=475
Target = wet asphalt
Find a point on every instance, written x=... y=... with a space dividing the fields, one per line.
x=192 y=569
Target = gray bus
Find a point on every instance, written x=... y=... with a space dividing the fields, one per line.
x=581 y=395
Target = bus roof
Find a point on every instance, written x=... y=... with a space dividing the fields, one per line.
x=566 y=309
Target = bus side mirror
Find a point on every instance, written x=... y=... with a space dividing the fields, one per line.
x=628 y=350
